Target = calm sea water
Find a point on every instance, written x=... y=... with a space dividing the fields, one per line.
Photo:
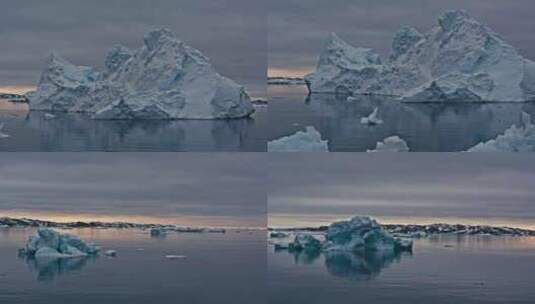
x=31 y=131
x=219 y=268
x=445 y=269
x=425 y=127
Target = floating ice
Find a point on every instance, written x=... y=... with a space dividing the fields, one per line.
x=305 y=242
x=277 y=234
x=3 y=135
x=111 y=253
x=49 y=116
x=372 y=119
x=307 y=141
x=362 y=233
x=175 y=257
x=391 y=144
x=48 y=243
x=460 y=59
x=164 y=79
x=515 y=139
x=158 y=232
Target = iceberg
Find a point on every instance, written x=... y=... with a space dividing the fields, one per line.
x=391 y=144
x=48 y=243
x=305 y=242
x=158 y=232
x=164 y=79
x=307 y=141
x=460 y=59
x=362 y=233
x=372 y=119
x=514 y=139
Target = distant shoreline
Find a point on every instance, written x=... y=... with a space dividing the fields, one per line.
x=430 y=229
x=9 y=222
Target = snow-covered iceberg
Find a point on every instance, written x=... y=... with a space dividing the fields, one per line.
x=302 y=141
x=47 y=243
x=460 y=59
x=514 y=139
x=164 y=79
x=391 y=144
x=362 y=233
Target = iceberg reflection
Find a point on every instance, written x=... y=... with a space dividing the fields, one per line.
x=78 y=132
x=358 y=266
x=361 y=265
x=48 y=269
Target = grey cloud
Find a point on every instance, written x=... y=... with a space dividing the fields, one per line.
x=423 y=184
x=156 y=184
x=232 y=33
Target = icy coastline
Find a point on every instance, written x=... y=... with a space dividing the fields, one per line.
x=7 y=222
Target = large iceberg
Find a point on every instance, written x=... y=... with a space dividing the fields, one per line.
x=515 y=139
x=458 y=60
x=48 y=243
x=362 y=233
x=164 y=79
x=302 y=141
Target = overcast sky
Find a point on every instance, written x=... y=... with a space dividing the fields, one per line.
x=298 y=28
x=204 y=189
x=415 y=187
x=232 y=33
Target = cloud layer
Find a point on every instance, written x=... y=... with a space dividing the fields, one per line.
x=426 y=185
x=231 y=32
x=222 y=188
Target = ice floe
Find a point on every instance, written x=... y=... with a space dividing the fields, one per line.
x=391 y=144
x=302 y=141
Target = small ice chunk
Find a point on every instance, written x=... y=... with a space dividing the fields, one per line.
x=391 y=144
x=307 y=141
x=372 y=119
x=305 y=242
x=175 y=257
x=3 y=135
x=111 y=253
x=158 y=232
x=278 y=234
x=49 y=116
